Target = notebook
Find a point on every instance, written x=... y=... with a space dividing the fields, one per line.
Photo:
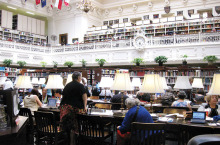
x=198 y=117
x=52 y=102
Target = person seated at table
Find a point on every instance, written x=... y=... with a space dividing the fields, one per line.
x=211 y=106
x=105 y=92
x=199 y=96
x=118 y=99
x=136 y=113
x=143 y=97
x=167 y=98
x=95 y=91
x=180 y=102
x=32 y=101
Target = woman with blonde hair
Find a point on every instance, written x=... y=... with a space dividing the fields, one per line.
x=211 y=106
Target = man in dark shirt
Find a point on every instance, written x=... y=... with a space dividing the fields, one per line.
x=74 y=101
x=118 y=99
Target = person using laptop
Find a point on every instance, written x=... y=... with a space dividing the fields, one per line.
x=32 y=101
x=211 y=107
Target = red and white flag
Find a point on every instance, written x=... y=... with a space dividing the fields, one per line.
x=66 y=2
x=58 y=4
x=37 y=2
x=51 y=4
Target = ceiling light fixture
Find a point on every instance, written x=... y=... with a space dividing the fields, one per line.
x=30 y=13
x=11 y=7
x=85 y=5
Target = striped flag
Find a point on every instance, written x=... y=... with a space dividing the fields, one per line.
x=66 y=2
x=37 y=2
x=58 y=4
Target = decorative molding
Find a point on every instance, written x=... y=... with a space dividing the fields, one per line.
x=23 y=2
x=120 y=9
x=150 y=4
x=135 y=7
x=167 y=2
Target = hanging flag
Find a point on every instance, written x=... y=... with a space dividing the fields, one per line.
x=58 y=4
x=51 y=4
x=43 y=3
x=37 y=2
x=66 y=2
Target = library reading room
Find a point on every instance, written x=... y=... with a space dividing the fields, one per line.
x=109 y=72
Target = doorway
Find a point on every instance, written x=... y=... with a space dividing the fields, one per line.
x=63 y=38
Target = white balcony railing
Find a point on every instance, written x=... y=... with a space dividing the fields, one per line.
x=120 y=44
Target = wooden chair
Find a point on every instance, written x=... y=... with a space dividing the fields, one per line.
x=47 y=129
x=207 y=139
x=103 y=106
x=189 y=131
x=30 y=126
x=93 y=130
x=172 y=110
x=147 y=133
x=94 y=97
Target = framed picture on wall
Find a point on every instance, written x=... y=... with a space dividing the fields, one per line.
x=179 y=13
x=190 y=12
x=105 y=23
x=125 y=20
x=116 y=21
x=75 y=40
x=146 y=17
x=155 y=16
x=110 y=22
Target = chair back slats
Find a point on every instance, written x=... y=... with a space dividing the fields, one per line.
x=46 y=124
x=147 y=133
x=27 y=112
x=92 y=128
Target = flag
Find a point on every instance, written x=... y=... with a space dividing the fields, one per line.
x=37 y=2
x=43 y=3
x=66 y=2
x=51 y=4
x=58 y=4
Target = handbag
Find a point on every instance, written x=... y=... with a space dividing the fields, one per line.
x=123 y=139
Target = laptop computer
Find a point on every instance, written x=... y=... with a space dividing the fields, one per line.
x=198 y=117
x=52 y=102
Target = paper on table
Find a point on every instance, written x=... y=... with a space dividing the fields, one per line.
x=209 y=119
x=177 y=114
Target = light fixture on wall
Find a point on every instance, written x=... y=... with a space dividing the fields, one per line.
x=85 y=5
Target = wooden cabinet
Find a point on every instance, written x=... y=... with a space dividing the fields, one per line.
x=9 y=20
x=6 y=19
x=24 y=23
x=33 y=25
x=19 y=25
x=38 y=27
x=42 y=28
x=29 y=25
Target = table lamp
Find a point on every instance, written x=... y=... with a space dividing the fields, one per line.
x=69 y=78
x=24 y=82
x=215 y=87
x=182 y=82
x=106 y=82
x=136 y=83
x=152 y=84
x=54 y=82
x=164 y=83
x=34 y=81
x=197 y=83
x=122 y=82
x=42 y=81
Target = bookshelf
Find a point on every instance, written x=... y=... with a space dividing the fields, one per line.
x=171 y=75
x=8 y=72
x=154 y=30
